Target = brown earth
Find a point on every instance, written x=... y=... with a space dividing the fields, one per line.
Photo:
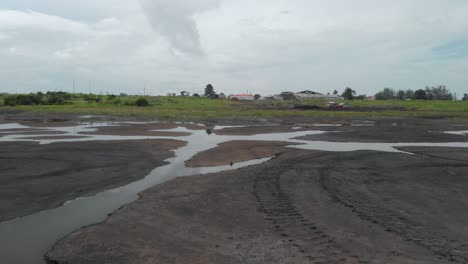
x=252 y=130
x=53 y=137
x=47 y=123
x=387 y=134
x=32 y=132
x=302 y=207
x=236 y=151
x=459 y=154
x=36 y=177
x=138 y=130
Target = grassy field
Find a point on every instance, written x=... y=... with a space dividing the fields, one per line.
x=191 y=108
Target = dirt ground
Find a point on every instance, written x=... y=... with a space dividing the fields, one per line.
x=389 y=134
x=138 y=130
x=302 y=207
x=36 y=177
x=236 y=151
x=53 y=137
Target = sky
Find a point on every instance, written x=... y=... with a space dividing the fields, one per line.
x=262 y=46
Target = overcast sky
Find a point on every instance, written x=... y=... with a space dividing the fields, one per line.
x=264 y=46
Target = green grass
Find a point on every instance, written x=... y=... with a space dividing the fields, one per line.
x=191 y=108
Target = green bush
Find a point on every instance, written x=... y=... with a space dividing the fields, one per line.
x=23 y=99
x=141 y=102
x=10 y=100
x=29 y=99
x=55 y=100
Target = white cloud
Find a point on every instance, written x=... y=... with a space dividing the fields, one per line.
x=175 y=20
x=11 y=20
x=265 y=46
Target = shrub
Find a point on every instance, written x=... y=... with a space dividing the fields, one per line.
x=55 y=100
x=348 y=94
x=141 y=102
x=90 y=98
x=29 y=99
x=386 y=94
x=438 y=93
x=22 y=99
x=10 y=100
x=420 y=95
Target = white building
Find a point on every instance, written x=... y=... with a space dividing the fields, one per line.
x=242 y=97
x=314 y=95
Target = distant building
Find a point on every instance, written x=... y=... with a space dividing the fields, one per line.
x=314 y=95
x=242 y=97
x=370 y=97
x=289 y=96
x=277 y=97
x=222 y=96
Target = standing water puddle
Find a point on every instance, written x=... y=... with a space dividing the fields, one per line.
x=25 y=240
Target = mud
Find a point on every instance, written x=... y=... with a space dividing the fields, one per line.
x=302 y=207
x=36 y=177
x=50 y=123
x=27 y=131
x=122 y=129
x=305 y=206
x=388 y=134
x=236 y=151
x=253 y=129
x=53 y=137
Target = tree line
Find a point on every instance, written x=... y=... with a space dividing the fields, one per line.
x=62 y=98
x=440 y=92
x=429 y=93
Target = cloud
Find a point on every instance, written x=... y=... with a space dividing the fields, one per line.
x=175 y=20
x=174 y=45
x=11 y=20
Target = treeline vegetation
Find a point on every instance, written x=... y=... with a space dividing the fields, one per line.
x=350 y=94
x=63 y=98
x=440 y=92
x=430 y=93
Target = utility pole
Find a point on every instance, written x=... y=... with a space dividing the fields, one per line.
x=144 y=91
x=89 y=86
x=73 y=86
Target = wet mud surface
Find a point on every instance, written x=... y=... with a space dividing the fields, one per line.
x=53 y=137
x=30 y=131
x=36 y=177
x=237 y=151
x=302 y=207
x=122 y=129
x=459 y=154
x=389 y=134
x=253 y=129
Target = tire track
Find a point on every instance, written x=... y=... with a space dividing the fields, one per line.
x=394 y=222
x=291 y=225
